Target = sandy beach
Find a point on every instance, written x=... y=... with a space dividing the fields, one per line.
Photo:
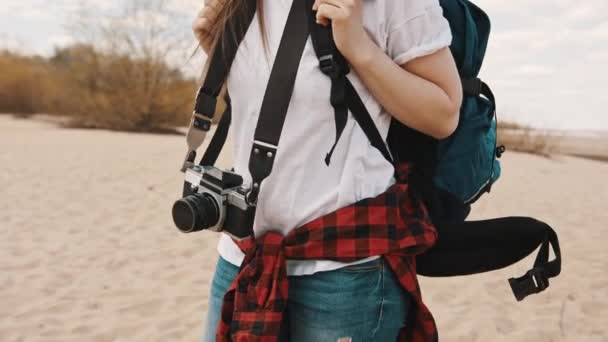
x=88 y=250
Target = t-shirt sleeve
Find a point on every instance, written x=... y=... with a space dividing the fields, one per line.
x=416 y=28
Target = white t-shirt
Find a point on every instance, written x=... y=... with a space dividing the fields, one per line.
x=302 y=187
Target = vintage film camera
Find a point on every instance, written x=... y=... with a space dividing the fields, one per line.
x=214 y=200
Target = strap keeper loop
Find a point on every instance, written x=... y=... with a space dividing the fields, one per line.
x=330 y=67
x=205 y=104
x=472 y=86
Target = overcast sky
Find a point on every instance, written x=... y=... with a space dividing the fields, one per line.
x=547 y=59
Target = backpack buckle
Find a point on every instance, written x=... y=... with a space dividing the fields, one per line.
x=201 y=122
x=205 y=104
x=472 y=86
x=330 y=67
x=534 y=281
x=500 y=150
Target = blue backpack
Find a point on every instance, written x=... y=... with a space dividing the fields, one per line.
x=452 y=173
x=467 y=161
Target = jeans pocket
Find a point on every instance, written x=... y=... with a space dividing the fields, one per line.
x=328 y=306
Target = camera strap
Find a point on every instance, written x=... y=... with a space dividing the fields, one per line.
x=278 y=96
x=219 y=66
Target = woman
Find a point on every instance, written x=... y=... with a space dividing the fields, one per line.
x=401 y=68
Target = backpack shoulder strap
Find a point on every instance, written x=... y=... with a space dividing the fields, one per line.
x=343 y=94
x=333 y=65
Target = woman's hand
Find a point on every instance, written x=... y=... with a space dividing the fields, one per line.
x=346 y=18
x=205 y=20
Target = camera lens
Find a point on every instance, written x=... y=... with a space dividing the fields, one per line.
x=195 y=213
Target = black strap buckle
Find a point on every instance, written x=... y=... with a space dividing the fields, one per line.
x=534 y=281
x=330 y=67
x=205 y=104
x=201 y=122
x=500 y=150
x=472 y=86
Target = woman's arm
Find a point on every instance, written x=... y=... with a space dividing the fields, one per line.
x=424 y=94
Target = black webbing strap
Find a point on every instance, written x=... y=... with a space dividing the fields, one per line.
x=219 y=137
x=334 y=65
x=221 y=61
x=219 y=67
x=277 y=97
x=343 y=94
x=364 y=119
x=537 y=279
x=474 y=247
x=476 y=87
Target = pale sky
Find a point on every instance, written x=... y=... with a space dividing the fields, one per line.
x=547 y=60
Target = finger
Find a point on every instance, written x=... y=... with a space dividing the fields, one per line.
x=215 y=3
x=209 y=13
x=343 y=5
x=218 y=5
x=202 y=32
x=337 y=3
x=212 y=9
x=206 y=45
x=315 y=6
x=323 y=21
x=202 y=25
x=204 y=38
x=328 y=12
x=320 y=20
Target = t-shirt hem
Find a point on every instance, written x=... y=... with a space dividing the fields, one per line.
x=230 y=252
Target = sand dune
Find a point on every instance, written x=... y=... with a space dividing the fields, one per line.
x=88 y=251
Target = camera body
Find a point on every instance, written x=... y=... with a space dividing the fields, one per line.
x=214 y=200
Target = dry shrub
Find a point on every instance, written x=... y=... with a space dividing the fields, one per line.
x=522 y=138
x=121 y=71
x=123 y=93
x=23 y=85
x=117 y=77
x=97 y=90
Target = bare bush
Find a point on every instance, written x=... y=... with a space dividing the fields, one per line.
x=120 y=92
x=522 y=138
x=121 y=73
x=23 y=84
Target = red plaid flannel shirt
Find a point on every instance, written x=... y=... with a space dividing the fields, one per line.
x=391 y=225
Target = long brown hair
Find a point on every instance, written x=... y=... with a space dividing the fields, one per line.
x=232 y=8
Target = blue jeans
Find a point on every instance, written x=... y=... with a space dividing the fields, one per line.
x=363 y=302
